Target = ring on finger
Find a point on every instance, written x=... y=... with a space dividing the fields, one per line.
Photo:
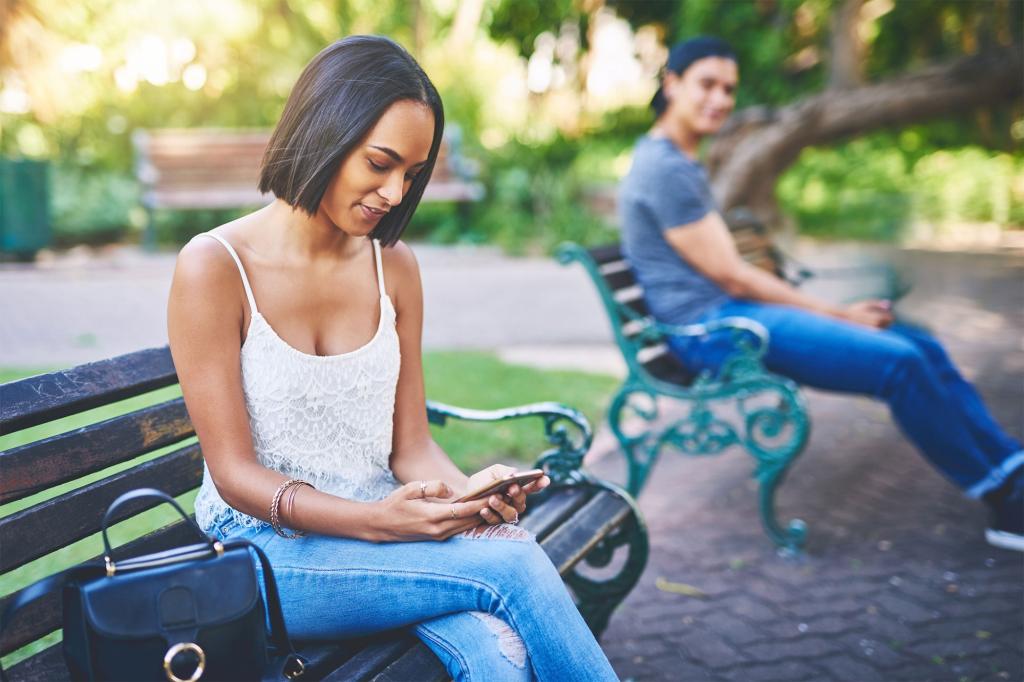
x=515 y=521
x=423 y=489
x=454 y=515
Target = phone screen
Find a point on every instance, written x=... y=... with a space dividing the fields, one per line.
x=502 y=484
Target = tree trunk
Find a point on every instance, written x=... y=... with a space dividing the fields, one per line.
x=759 y=143
x=846 y=61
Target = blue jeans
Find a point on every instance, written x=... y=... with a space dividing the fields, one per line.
x=491 y=607
x=938 y=410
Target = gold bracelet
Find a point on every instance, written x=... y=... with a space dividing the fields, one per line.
x=275 y=507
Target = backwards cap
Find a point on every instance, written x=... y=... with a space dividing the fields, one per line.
x=683 y=54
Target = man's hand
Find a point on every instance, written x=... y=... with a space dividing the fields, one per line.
x=875 y=313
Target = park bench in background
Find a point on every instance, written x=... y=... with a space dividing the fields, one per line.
x=743 y=404
x=591 y=530
x=193 y=168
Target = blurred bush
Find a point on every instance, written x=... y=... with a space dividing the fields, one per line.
x=92 y=206
x=876 y=187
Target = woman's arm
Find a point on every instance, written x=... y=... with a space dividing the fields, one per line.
x=415 y=454
x=205 y=316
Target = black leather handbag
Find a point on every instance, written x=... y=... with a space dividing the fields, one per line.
x=185 y=614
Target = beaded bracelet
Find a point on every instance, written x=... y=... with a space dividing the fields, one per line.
x=275 y=506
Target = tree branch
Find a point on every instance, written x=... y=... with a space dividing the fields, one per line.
x=752 y=153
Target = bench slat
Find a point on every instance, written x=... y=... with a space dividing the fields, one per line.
x=47 y=665
x=65 y=457
x=666 y=367
x=325 y=657
x=617 y=275
x=39 y=399
x=418 y=663
x=577 y=536
x=542 y=519
x=47 y=526
x=44 y=616
x=606 y=253
x=374 y=658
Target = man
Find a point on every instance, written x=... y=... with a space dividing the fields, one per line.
x=685 y=258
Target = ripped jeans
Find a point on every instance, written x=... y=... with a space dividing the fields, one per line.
x=491 y=607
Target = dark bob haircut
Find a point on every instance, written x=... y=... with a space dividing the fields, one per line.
x=339 y=97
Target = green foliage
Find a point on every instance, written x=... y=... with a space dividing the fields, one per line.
x=876 y=187
x=91 y=205
x=537 y=198
x=541 y=184
x=521 y=21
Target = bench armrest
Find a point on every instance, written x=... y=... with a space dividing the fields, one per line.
x=566 y=429
x=744 y=330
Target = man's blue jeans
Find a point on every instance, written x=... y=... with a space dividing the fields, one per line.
x=491 y=607
x=938 y=410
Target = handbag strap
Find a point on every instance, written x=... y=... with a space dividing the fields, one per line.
x=278 y=631
x=294 y=665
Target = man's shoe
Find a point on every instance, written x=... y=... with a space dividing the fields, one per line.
x=1006 y=529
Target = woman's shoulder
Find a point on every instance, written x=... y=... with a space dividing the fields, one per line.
x=205 y=268
x=399 y=261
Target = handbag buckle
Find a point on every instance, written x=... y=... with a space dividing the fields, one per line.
x=181 y=647
x=111 y=568
x=296 y=671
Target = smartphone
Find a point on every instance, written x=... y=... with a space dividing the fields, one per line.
x=500 y=485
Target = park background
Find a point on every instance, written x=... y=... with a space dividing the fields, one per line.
x=547 y=98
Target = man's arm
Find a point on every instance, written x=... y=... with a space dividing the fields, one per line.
x=708 y=246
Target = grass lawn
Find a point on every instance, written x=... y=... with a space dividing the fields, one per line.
x=464 y=379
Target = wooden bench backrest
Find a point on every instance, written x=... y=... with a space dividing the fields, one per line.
x=211 y=168
x=54 y=523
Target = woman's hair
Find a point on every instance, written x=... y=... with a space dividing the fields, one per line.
x=338 y=99
x=683 y=55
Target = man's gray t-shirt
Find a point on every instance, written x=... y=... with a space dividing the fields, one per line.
x=665 y=189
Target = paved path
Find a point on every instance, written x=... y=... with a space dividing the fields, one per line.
x=897 y=583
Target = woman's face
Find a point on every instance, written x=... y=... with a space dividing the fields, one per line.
x=703 y=96
x=378 y=172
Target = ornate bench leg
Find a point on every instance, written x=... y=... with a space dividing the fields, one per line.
x=774 y=461
x=641 y=451
x=598 y=598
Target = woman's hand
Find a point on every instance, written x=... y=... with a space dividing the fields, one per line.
x=504 y=508
x=423 y=510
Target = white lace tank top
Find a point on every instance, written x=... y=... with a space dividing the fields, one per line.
x=326 y=419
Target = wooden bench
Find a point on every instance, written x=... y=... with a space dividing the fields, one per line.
x=591 y=530
x=193 y=168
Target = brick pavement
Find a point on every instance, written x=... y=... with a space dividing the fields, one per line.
x=897 y=582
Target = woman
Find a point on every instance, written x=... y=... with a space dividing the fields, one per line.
x=295 y=331
x=685 y=258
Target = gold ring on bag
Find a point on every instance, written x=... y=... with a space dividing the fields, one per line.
x=179 y=648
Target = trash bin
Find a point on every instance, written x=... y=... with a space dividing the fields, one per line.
x=24 y=207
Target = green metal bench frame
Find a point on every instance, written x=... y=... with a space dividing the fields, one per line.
x=774 y=435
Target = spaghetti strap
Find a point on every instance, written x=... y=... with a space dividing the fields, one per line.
x=380 y=267
x=241 y=270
